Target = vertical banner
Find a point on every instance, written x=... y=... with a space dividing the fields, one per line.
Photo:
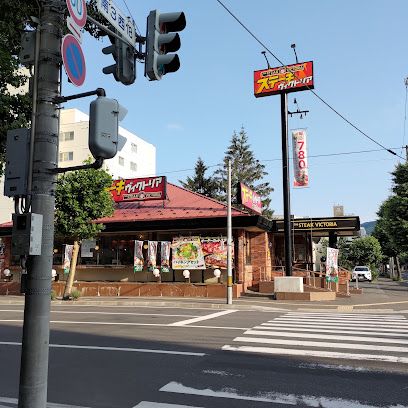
x=300 y=162
x=152 y=255
x=67 y=258
x=165 y=256
x=332 y=268
x=138 y=260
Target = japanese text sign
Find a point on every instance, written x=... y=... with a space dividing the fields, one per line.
x=300 y=164
x=139 y=189
x=289 y=78
x=124 y=25
x=249 y=199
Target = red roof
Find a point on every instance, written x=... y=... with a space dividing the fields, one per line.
x=180 y=204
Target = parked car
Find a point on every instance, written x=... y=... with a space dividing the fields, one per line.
x=361 y=273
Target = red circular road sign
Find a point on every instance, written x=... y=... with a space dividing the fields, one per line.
x=77 y=10
x=73 y=59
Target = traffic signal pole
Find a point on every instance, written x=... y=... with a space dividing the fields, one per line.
x=36 y=329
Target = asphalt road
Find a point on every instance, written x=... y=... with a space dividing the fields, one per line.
x=169 y=357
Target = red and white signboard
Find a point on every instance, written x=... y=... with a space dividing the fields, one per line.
x=289 y=78
x=139 y=189
x=249 y=199
x=300 y=163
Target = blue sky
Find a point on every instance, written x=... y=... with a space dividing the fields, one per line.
x=359 y=49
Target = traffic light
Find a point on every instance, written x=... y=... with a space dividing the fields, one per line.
x=162 y=38
x=124 y=70
x=104 y=117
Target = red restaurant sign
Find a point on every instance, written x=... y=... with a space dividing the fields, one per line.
x=290 y=78
x=139 y=189
x=248 y=198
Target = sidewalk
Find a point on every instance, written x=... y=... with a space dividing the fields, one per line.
x=383 y=295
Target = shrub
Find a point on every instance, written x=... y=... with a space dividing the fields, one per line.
x=75 y=294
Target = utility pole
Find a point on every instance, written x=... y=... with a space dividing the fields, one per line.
x=406 y=153
x=35 y=341
x=229 y=238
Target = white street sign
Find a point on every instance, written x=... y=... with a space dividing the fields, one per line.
x=124 y=25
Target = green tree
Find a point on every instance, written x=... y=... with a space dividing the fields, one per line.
x=81 y=197
x=392 y=226
x=207 y=186
x=15 y=101
x=365 y=251
x=244 y=168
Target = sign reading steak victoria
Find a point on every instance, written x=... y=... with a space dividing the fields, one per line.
x=139 y=189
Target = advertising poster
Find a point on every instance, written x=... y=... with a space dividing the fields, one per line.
x=187 y=253
x=332 y=268
x=67 y=258
x=152 y=254
x=300 y=162
x=215 y=252
x=138 y=260
x=165 y=256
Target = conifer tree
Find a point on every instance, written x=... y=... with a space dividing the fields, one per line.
x=245 y=168
x=199 y=183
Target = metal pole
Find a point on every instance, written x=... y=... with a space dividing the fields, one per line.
x=286 y=189
x=36 y=330
x=229 y=238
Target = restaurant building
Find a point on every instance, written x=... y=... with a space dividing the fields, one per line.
x=169 y=230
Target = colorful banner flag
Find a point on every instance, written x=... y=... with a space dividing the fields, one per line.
x=67 y=258
x=165 y=256
x=300 y=162
x=138 y=260
x=152 y=255
x=187 y=253
x=332 y=268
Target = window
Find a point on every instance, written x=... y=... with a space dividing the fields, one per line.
x=66 y=156
x=121 y=161
x=133 y=147
x=247 y=244
x=133 y=166
x=65 y=136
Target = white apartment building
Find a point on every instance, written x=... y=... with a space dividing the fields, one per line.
x=135 y=157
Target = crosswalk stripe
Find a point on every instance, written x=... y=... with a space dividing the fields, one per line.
x=316 y=353
x=354 y=346
x=374 y=332
x=334 y=326
x=325 y=336
x=148 y=404
x=339 y=323
x=349 y=315
x=355 y=322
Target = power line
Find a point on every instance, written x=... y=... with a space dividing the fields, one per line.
x=311 y=90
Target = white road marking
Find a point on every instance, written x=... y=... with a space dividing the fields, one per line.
x=354 y=346
x=201 y=318
x=107 y=313
x=132 y=324
x=270 y=397
x=347 y=315
x=325 y=336
x=49 y=404
x=316 y=353
x=341 y=321
x=374 y=332
x=334 y=326
x=127 y=349
x=147 y=404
